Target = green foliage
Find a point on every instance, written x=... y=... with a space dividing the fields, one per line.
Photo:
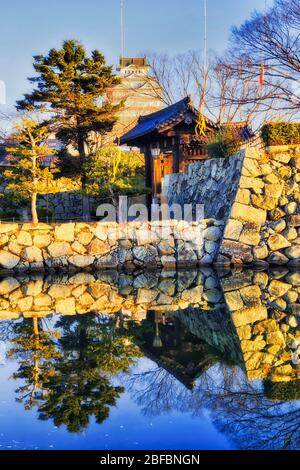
x=27 y=176
x=282 y=391
x=34 y=348
x=70 y=84
x=69 y=165
x=92 y=348
x=281 y=133
x=10 y=203
x=224 y=143
x=66 y=372
x=113 y=172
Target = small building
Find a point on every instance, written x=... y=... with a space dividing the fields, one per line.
x=168 y=140
x=170 y=143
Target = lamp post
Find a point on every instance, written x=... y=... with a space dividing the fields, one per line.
x=155 y=152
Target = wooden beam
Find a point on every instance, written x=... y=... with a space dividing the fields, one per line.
x=176 y=158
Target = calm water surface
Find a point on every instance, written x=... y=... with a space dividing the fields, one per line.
x=155 y=360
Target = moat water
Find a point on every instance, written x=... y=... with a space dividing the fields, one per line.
x=155 y=360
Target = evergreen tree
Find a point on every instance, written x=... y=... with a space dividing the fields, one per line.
x=71 y=85
x=92 y=349
x=27 y=176
x=35 y=350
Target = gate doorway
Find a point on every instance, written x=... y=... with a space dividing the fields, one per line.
x=162 y=166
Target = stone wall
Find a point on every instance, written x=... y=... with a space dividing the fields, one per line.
x=257 y=194
x=251 y=198
x=213 y=183
x=96 y=246
x=265 y=312
x=64 y=205
x=264 y=221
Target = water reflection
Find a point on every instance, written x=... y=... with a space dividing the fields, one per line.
x=224 y=342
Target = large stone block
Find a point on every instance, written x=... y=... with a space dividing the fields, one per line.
x=66 y=306
x=264 y=202
x=8 y=285
x=233 y=229
x=251 y=183
x=293 y=252
x=248 y=214
x=277 y=242
x=8 y=260
x=295 y=220
x=260 y=252
x=32 y=254
x=252 y=167
x=278 y=288
x=59 y=291
x=243 y=196
x=146 y=255
x=250 y=315
x=42 y=241
x=59 y=249
x=24 y=238
x=8 y=228
x=82 y=261
x=98 y=248
x=65 y=232
x=212 y=234
x=250 y=237
x=236 y=250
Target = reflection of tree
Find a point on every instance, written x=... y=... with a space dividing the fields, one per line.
x=239 y=409
x=154 y=390
x=91 y=348
x=252 y=421
x=6 y=330
x=34 y=347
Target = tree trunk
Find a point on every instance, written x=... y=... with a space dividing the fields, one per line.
x=85 y=200
x=34 y=214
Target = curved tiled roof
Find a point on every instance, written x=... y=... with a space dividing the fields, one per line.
x=164 y=117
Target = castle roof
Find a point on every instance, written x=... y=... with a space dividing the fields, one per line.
x=165 y=118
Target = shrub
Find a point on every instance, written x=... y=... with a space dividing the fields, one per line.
x=224 y=143
x=281 y=133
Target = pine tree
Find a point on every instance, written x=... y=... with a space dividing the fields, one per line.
x=27 y=176
x=71 y=85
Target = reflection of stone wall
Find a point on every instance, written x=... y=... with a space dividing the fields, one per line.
x=265 y=311
x=215 y=329
x=97 y=246
x=258 y=326
x=257 y=194
x=107 y=293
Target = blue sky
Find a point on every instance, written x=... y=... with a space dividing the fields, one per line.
x=34 y=26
